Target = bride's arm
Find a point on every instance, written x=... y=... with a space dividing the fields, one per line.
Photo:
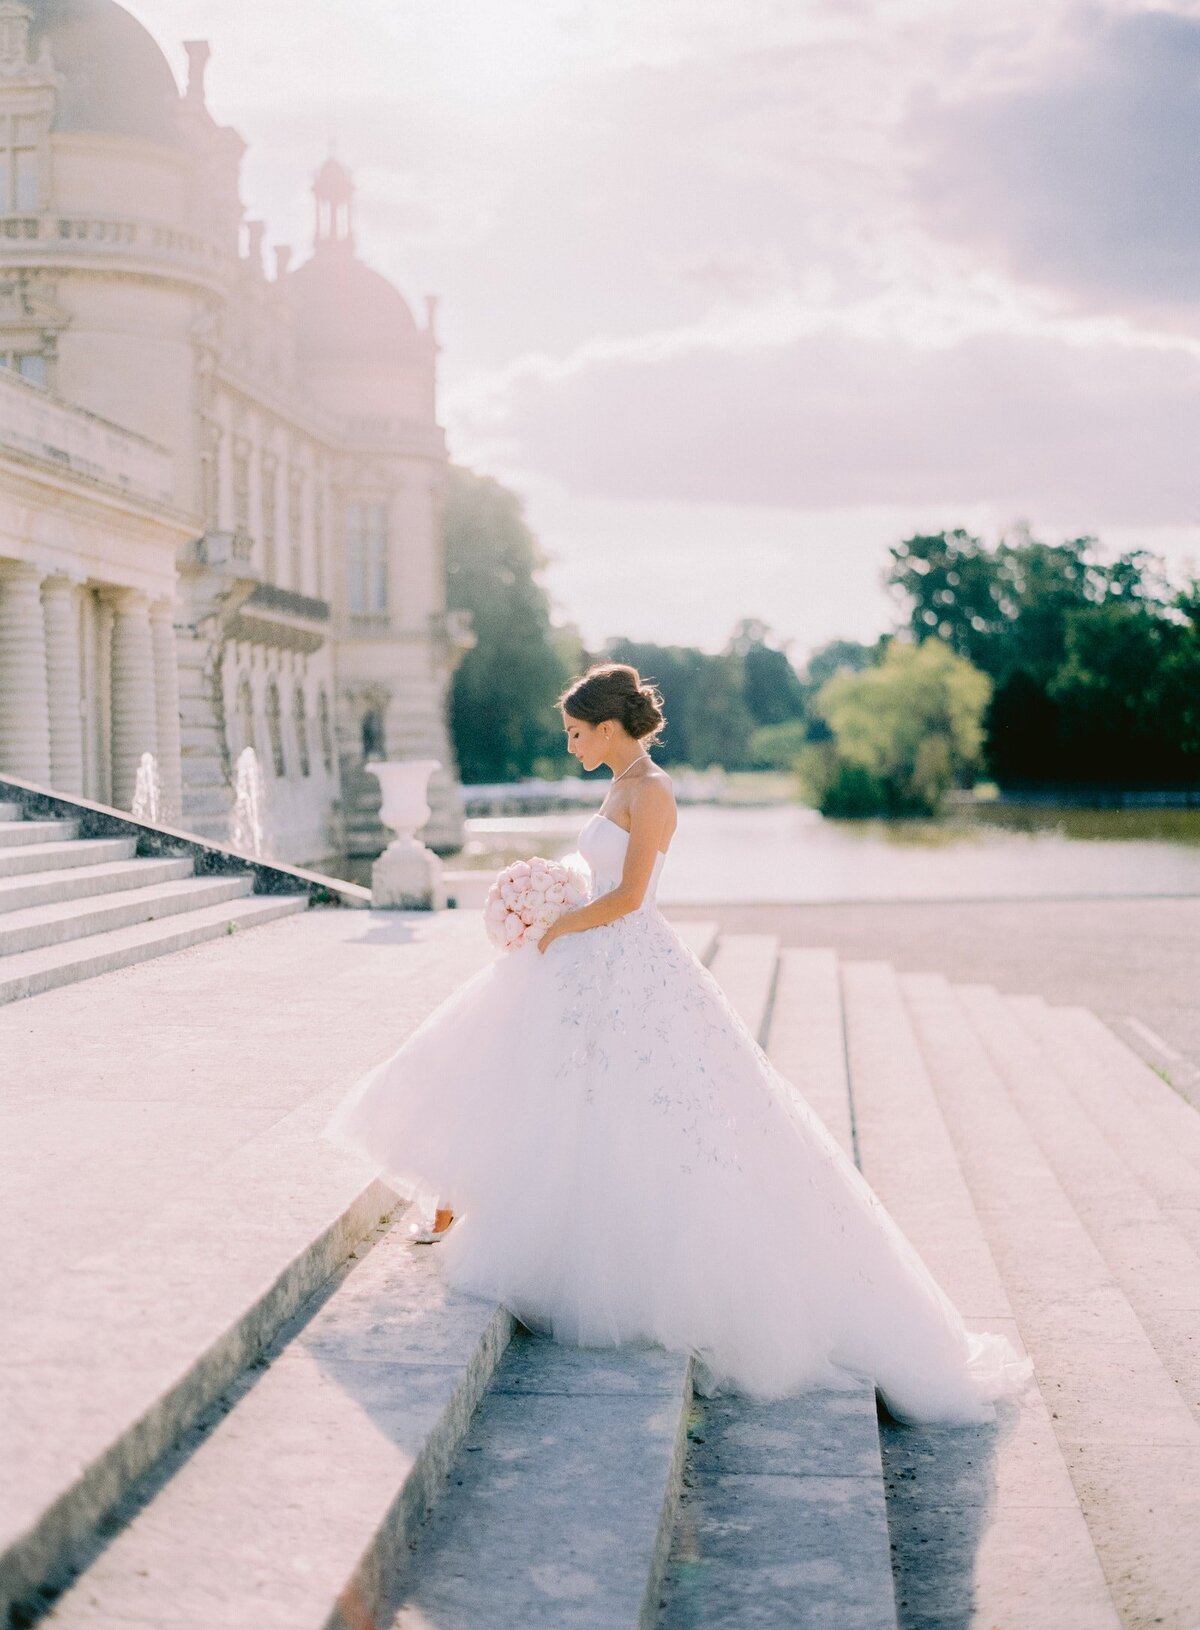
x=649 y=811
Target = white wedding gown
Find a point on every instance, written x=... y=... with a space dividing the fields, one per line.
x=626 y=1164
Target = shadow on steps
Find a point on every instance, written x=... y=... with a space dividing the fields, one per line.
x=940 y=1485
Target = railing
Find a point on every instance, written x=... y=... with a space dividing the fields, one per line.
x=71 y=438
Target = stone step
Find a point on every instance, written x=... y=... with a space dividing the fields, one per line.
x=199 y=739
x=28 y=972
x=86 y=882
x=178 y=1312
x=1129 y=1441
x=986 y=1525
x=560 y=1509
x=699 y=937
x=167 y=1169
x=1152 y=1262
x=1177 y=1118
x=48 y=857
x=806 y=1039
x=18 y=833
x=783 y=1520
x=1153 y=1127
x=288 y=1507
x=745 y=966
x=210 y=804
x=63 y=921
x=558 y=1512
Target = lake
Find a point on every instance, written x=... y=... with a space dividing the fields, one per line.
x=787 y=854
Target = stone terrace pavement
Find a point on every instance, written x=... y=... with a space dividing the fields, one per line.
x=118 y=1092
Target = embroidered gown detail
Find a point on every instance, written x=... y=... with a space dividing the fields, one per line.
x=626 y=1163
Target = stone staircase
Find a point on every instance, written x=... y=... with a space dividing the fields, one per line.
x=72 y=907
x=314 y=1432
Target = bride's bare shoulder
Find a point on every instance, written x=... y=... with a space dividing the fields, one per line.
x=654 y=790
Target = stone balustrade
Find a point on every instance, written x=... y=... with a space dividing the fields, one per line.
x=35 y=423
x=113 y=235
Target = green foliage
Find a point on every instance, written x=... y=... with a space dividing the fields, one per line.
x=1094 y=662
x=502 y=711
x=837 y=655
x=714 y=702
x=772 y=691
x=675 y=669
x=778 y=746
x=903 y=732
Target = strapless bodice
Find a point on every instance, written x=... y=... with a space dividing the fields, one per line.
x=603 y=843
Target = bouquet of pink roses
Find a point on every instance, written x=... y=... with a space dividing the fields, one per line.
x=527 y=897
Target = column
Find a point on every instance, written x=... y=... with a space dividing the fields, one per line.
x=24 y=705
x=134 y=707
x=166 y=692
x=60 y=606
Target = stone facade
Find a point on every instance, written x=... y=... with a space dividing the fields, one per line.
x=220 y=490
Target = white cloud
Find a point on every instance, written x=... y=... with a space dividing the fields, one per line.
x=715 y=275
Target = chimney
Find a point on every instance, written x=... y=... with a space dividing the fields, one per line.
x=257 y=230
x=198 y=52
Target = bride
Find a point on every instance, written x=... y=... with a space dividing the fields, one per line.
x=624 y=1161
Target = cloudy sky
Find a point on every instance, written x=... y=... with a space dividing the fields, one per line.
x=738 y=292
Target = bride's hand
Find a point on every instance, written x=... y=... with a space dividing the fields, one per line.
x=546 y=940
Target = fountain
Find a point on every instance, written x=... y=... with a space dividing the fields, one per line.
x=247 y=822
x=147 y=791
x=407 y=876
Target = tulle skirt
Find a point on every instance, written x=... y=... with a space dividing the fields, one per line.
x=626 y=1164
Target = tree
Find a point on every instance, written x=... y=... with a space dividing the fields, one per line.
x=1071 y=642
x=772 y=690
x=675 y=669
x=835 y=655
x=502 y=702
x=903 y=732
x=1115 y=718
x=719 y=723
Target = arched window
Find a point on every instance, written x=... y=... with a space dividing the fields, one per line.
x=245 y=715
x=326 y=732
x=300 y=720
x=275 y=729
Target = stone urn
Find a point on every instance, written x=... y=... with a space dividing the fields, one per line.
x=407 y=876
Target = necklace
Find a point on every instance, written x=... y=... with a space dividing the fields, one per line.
x=629 y=767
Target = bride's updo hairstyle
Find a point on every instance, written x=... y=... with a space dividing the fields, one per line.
x=614 y=690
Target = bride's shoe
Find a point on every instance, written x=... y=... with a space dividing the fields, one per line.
x=431 y=1234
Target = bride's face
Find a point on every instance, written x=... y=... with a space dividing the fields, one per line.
x=587 y=742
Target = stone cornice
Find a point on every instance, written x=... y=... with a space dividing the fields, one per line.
x=291 y=411
x=73 y=492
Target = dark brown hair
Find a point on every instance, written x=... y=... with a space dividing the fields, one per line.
x=614 y=690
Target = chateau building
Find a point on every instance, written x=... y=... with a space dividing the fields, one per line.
x=220 y=488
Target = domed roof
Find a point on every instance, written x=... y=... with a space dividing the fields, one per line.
x=334 y=181
x=117 y=80
x=346 y=311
